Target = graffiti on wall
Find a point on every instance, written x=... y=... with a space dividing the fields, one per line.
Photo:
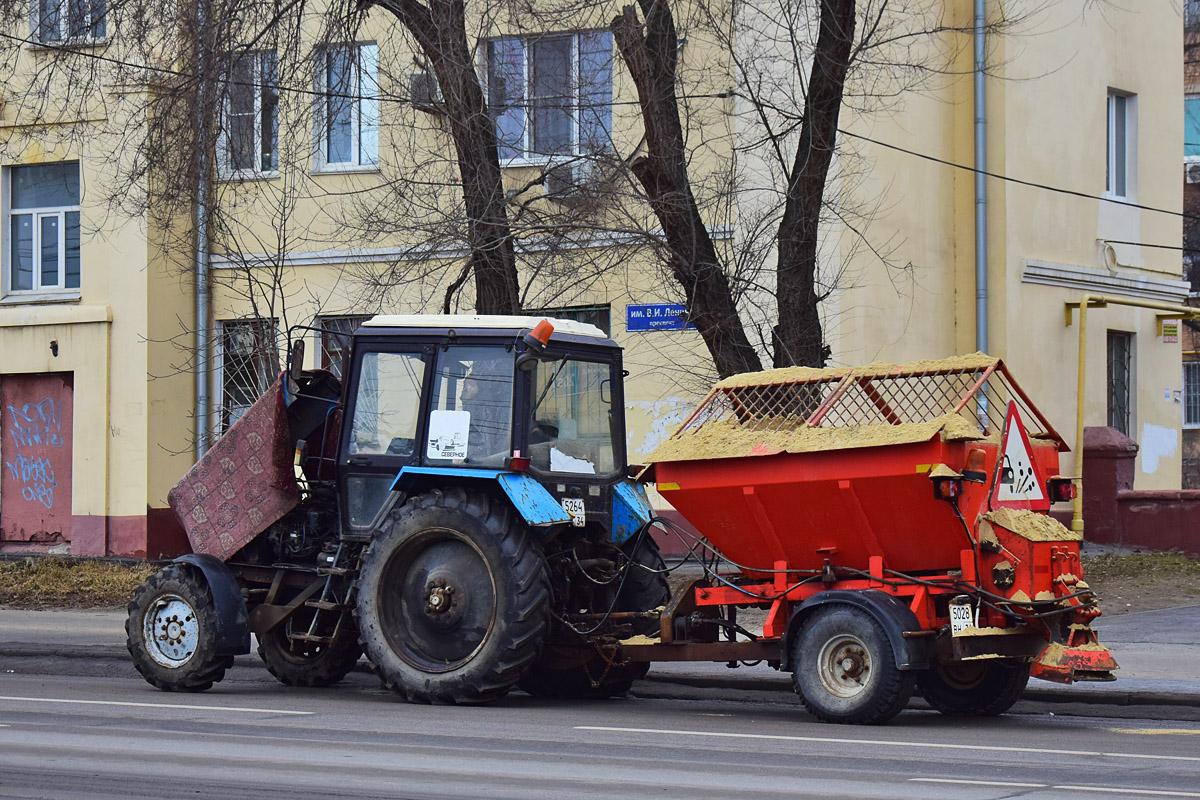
x=34 y=425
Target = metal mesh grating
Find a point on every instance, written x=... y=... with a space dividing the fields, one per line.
x=979 y=393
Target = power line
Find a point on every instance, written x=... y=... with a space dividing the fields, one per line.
x=1032 y=184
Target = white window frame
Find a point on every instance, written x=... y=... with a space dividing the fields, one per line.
x=224 y=155
x=528 y=157
x=1194 y=368
x=7 y=212
x=62 y=32
x=1120 y=161
x=364 y=133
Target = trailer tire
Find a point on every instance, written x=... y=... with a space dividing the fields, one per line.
x=453 y=599
x=308 y=664
x=171 y=631
x=973 y=688
x=585 y=673
x=844 y=668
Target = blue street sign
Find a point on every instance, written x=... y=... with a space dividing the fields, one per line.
x=657 y=317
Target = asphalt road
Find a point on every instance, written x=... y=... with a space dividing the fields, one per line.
x=113 y=736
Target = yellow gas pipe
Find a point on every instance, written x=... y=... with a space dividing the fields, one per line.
x=1100 y=301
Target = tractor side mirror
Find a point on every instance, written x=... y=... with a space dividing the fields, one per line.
x=296 y=359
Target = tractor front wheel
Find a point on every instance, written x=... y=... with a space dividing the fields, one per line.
x=973 y=688
x=844 y=668
x=453 y=599
x=171 y=631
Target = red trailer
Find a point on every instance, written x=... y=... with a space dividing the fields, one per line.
x=893 y=520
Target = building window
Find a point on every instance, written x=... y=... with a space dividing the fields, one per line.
x=249 y=140
x=1120 y=135
x=600 y=316
x=335 y=341
x=1191 y=394
x=1120 y=380
x=348 y=107
x=249 y=364
x=1191 y=126
x=43 y=228
x=68 y=20
x=1191 y=12
x=551 y=95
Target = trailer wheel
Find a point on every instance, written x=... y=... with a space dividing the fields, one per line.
x=453 y=599
x=171 y=632
x=845 y=670
x=296 y=663
x=581 y=671
x=973 y=688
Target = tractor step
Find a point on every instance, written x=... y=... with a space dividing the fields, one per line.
x=311 y=637
x=325 y=605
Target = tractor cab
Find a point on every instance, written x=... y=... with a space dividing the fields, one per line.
x=435 y=400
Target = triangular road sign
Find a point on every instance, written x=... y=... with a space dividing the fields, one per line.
x=1019 y=481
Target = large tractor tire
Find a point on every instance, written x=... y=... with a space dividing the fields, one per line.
x=845 y=670
x=299 y=663
x=453 y=599
x=974 y=688
x=171 y=631
x=582 y=671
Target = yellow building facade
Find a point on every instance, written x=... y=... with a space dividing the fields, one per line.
x=317 y=217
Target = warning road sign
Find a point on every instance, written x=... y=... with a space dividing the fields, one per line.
x=1019 y=483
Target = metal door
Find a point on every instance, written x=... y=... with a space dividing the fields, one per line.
x=35 y=457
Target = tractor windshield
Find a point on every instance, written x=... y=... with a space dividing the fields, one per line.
x=470 y=418
x=571 y=422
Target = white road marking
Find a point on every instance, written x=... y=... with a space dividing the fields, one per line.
x=990 y=748
x=980 y=783
x=1105 y=789
x=156 y=705
x=1114 y=790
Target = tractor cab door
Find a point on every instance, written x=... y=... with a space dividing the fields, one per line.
x=383 y=426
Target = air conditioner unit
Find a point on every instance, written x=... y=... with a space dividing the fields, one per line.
x=423 y=92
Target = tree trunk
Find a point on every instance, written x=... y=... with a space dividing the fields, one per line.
x=440 y=31
x=650 y=54
x=798 y=337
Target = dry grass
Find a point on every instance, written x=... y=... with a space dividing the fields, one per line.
x=48 y=582
x=1143 y=581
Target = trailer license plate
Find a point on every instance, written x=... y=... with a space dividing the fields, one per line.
x=574 y=507
x=961 y=618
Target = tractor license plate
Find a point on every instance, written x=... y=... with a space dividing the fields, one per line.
x=574 y=507
x=961 y=618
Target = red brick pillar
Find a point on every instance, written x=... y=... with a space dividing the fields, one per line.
x=1108 y=463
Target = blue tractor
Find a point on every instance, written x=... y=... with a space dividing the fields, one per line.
x=455 y=505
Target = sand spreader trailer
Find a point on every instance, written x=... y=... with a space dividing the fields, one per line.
x=894 y=522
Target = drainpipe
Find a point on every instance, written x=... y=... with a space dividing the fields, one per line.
x=203 y=332
x=981 y=276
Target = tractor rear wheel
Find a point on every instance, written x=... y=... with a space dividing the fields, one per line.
x=844 y=668
x=171 y=631
x=973 y=688
x=582 y=671
x=453 y=599
x=301 y=663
